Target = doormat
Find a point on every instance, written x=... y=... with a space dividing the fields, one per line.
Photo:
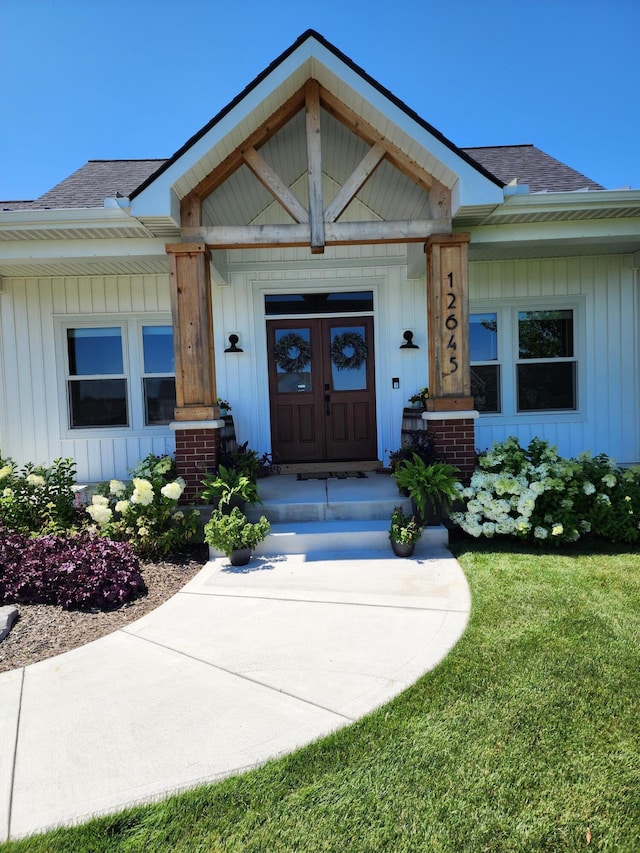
x=333 y=475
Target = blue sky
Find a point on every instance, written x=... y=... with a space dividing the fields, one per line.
x=109 y=79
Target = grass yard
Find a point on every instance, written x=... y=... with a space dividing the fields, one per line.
x=526 y=738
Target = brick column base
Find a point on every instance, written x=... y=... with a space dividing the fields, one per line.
x=197 y=450
x=454 y=434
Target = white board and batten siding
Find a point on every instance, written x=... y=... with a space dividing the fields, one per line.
x=34 y=426
x=604 y=292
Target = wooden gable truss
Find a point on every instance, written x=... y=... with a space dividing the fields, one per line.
x=318 y=226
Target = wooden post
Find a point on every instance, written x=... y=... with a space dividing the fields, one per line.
x=450 y=415
x=192 y=331
x=448 y=319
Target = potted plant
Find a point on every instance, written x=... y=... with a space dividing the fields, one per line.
x=432 y=488
x=234 y=535
x=419 y=399
x=229 y=488
x=404 y=532
x=223 y=405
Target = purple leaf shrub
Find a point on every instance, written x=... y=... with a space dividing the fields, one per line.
x=77 y=573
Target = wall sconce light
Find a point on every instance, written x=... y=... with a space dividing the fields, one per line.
x=408 y=341
x=233 y=341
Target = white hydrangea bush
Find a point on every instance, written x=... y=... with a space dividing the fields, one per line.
x=143 y=512
x=536 y=494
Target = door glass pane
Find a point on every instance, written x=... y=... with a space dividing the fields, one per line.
x=94 y=352
x=349 y=358
x=292 y=353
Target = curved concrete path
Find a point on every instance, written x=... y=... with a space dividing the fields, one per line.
x=241 y=666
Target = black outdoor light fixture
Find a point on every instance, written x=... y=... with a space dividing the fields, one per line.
x=233 y=344
x=408 y=341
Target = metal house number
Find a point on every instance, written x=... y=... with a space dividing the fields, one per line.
x=451 y=324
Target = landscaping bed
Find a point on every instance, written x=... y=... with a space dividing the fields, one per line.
x=44 y=630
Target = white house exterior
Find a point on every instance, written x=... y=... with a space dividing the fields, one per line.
x=317 y=205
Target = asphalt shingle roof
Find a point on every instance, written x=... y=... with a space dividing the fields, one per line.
x=529 y=165
x=99 y=179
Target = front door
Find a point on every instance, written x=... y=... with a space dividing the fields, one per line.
x=322 y=389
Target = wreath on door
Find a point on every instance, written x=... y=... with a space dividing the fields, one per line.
x=292 y=353
x=349 y=342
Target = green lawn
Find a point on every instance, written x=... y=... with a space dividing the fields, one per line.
x=527 y=737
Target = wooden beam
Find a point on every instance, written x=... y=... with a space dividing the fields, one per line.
x=275 y=185
x=336 y=233
x=191 y=210
x=260 y=135
x=314 y=161
x=358 y=177
x=366 y=131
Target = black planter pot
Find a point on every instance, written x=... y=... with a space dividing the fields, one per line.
x=226 y=509
x=402 y=549
x=240 y=557
x=432 y=514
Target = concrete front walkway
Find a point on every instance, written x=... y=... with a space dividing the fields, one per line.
x=241 y=666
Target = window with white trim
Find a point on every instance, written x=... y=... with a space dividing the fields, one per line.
x=524 y=357
x=546 y=369
x=119 y=374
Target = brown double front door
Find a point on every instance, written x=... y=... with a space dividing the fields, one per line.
x=322 y=389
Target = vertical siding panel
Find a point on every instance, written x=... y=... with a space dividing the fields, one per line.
x=72 y=296
x=111 y=303
x=123 y=286
x=137 y=294
x=98 y=298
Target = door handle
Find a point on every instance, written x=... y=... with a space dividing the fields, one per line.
x=327 y=404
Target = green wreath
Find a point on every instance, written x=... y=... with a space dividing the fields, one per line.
x=348 y=340
x=288 y=362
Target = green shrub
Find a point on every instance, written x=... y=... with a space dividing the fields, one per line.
x=143 y=512
x=228 y=533
x=37 y=500
x=536 y=494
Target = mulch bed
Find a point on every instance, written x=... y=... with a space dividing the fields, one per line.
x=43 y=630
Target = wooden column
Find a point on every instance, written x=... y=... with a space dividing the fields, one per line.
x=450 y=414
x=448 y=319
x=192 y=331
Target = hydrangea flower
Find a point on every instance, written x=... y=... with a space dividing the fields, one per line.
x=116 y=487
x=36 y=480
x=589 y=488
x=5 y=471
x=173 y=490
x=100 y=514
x=557 y=529
x=142 y=493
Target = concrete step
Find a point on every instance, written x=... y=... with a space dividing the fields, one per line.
x=339 y=537
x=296 y=512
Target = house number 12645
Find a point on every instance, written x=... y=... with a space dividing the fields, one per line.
x=451 y=324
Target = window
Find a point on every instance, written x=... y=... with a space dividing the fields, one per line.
x=96 y=383
x=485 y=369
x=158 y=381
x=119 y=374
x=546 y=365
